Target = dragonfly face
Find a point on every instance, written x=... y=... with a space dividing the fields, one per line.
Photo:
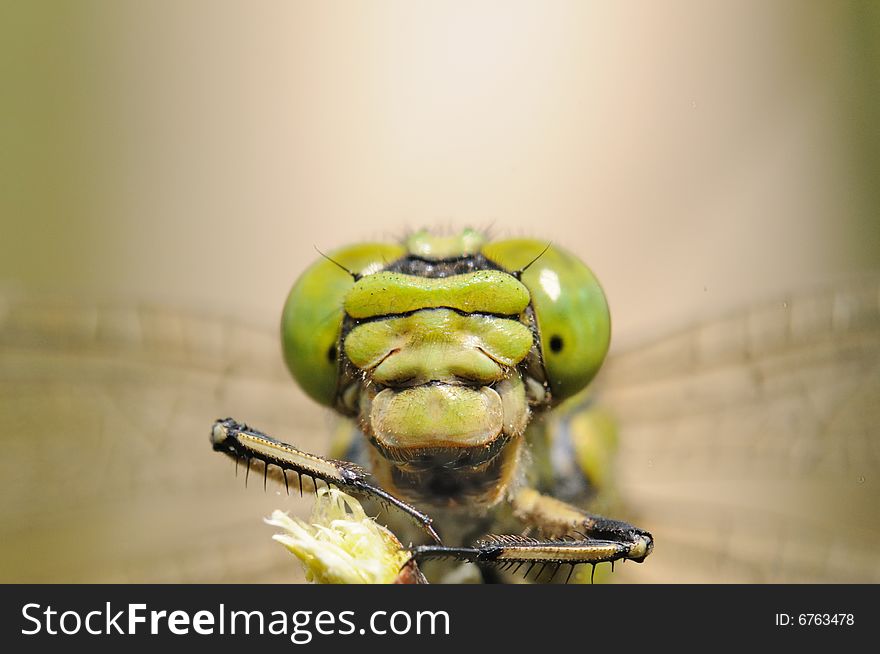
x=442 y=348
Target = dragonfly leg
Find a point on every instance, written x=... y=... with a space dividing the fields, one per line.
x=557 y=519
x=239 y=441
x=571 y=537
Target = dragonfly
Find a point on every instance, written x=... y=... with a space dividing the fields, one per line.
x=748 y=445
x=442 y=348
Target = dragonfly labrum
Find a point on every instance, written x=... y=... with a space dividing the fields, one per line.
x=747 y=445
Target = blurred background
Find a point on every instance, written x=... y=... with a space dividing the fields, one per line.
x=168 y=168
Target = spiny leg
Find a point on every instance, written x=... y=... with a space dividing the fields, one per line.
x=573 y=537
x=557 y=519
x=241 y=442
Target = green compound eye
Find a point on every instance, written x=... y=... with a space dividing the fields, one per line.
x=570 y=308
x=313 y=313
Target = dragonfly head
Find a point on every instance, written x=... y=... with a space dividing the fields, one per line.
x=442 y=347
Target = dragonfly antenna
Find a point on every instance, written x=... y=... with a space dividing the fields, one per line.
x=526 y=267
x=354 y=275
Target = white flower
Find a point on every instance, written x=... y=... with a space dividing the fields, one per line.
x=342 y=545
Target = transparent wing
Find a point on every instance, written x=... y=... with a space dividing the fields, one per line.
x=750 y=446
x=107 y=471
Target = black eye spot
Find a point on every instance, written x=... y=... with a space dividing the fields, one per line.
x=556 y=343
x=331 y=354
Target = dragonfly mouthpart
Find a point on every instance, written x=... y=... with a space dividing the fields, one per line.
x=429 y=419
